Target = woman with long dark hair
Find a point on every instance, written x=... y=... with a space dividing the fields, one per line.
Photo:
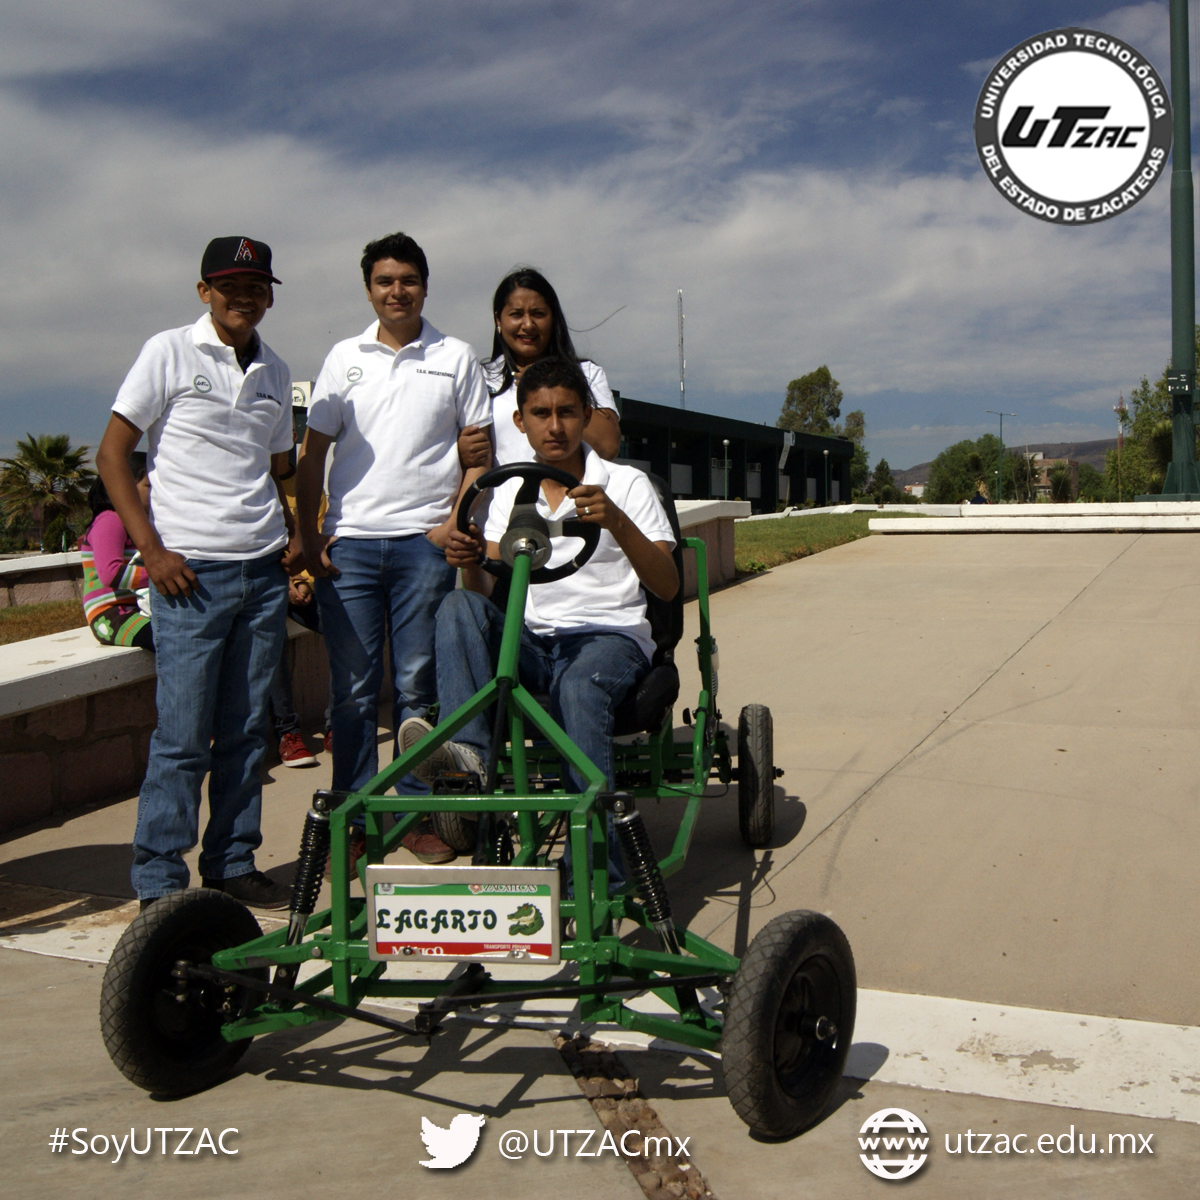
x=530 y=325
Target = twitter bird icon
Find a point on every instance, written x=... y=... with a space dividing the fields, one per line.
x=450 y=1147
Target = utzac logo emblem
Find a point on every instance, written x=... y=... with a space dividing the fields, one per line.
x=201 y=384
x=1073 y=126
x=886 y=1135
x=354 y=374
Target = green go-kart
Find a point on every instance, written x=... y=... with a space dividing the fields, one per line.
x=193 y=979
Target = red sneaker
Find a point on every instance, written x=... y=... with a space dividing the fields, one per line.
x=329 y=741
x=427 y=847
x=294 y=753
x=356 y=848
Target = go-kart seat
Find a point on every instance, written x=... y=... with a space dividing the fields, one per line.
x=645 y=707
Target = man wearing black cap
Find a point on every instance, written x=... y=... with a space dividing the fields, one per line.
x=215 y=405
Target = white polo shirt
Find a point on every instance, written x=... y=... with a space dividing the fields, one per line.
x=604 y=595
x=211 y=430
x=511 y=444
x=396 y=415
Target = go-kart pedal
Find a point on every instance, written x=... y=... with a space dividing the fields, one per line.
x=456 y=783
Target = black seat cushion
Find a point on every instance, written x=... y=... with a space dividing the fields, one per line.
x=643 y=710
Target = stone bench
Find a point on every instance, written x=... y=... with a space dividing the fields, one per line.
x=76 y=718
x=37 y=578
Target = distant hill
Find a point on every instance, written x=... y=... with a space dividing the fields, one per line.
x=1084 y=452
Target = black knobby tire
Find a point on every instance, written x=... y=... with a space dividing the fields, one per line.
x=457 y=830
x=154 y=1041
x=756 y=775
x=780 y=1077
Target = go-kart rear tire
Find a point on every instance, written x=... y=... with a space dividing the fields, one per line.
x=457 y=830
x=155 y=1042
x=756 y=775
x=779 y=1076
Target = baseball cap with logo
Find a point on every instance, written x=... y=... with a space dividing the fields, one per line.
x=234 y=255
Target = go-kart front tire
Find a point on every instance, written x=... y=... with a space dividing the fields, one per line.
x=756 y=775
x=154 y=1041
x=780 y=1074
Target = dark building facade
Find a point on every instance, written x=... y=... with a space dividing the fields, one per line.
x=687 y=448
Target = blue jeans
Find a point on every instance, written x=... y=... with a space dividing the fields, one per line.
x=217 y=652
x=587 y=675
x=388 y=587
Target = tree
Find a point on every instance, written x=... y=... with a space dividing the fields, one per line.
x=1091 y=483
x=883 y=484
x=855 y=429
x=59 y=536
x=1025 y=477
x=812 y=404
x=1060 y=485
x=960 y=469
x=46 y=478
x=1147 y=450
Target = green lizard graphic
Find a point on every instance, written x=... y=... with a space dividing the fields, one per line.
x=527 y=920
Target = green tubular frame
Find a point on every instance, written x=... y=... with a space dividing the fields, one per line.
x=338 y=935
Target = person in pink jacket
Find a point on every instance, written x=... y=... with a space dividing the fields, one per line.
x=113 y=574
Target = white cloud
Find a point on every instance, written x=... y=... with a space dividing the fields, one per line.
x=64 y=35
x=915 y=284
x=1146 y=26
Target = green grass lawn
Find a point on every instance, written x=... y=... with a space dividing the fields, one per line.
x=33 y=620
x=758 y=545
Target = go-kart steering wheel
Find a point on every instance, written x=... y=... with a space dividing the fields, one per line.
x=528 y=530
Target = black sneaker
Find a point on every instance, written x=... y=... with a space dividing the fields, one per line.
x=256 y=890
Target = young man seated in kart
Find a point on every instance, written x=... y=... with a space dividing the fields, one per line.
x=586 y=639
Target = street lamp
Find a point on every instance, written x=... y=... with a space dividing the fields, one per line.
x=725 y=443
x=1183 y=479
x=1000 y=460
x=827 y=489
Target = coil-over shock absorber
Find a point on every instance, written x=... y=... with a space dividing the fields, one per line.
x=643 y=867
x=310 y=868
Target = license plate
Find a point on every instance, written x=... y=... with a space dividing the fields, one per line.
x=453 y=913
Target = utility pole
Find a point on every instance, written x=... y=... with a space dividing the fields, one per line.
x=1122 y=412
x=1000 y=460
x=682 y=360
x=725 y=443
x=1183 y=479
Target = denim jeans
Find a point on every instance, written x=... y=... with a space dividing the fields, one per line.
x=388 y=588
x=284 y=718
x=586 y=675
x=217 y=652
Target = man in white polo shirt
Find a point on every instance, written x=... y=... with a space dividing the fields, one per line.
x=394 y=400
x=215 y=404
x=586 y=639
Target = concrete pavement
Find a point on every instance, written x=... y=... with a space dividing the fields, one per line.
x=990 y=759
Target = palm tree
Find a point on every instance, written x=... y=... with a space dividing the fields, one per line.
x=45 y=478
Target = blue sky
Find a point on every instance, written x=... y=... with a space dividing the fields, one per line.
x=804 y=171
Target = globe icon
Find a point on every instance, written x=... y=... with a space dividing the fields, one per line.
x=888 y=1134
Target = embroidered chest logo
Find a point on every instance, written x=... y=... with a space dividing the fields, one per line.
x=354 y=374
x=245 y=251
x=443 y=374
x=266 y=396
x=201 y=384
